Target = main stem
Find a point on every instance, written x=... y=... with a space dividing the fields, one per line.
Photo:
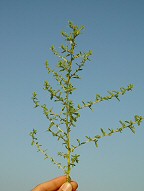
x=68 y=126
x=68 y=138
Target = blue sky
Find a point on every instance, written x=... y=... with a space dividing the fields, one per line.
x=114 y=31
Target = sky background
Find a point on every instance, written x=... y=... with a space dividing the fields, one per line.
x=115 y=33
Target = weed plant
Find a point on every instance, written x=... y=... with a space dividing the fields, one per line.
x=70 y=64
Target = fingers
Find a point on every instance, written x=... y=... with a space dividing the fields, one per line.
x=56 y=184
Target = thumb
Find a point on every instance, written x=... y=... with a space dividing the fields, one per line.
x=66 y=187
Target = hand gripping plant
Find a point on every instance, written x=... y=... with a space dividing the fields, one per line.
x=61 y=123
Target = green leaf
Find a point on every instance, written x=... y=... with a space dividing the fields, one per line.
x=96 y=144
x=103 y=132
x=64 y=34
x=133 y=130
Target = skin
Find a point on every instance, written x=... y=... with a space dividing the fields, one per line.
x=55 y=185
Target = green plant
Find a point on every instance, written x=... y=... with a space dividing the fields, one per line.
x=60 y=124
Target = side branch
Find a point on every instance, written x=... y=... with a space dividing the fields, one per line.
x=60 y=79
x=112 y=94
x=39 y=149
x=52 y=117
x=127 y=124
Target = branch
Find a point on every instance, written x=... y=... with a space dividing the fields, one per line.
x=39 y=149
x=127 y=124
x=112 y=94
x=57 y=53
x=52 y=117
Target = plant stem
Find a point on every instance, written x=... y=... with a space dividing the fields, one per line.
x=68 y=139
x=68 y=124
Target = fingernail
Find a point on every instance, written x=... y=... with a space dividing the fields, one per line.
x=66 y=187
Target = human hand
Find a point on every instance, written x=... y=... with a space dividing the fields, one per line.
x=57 y=184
